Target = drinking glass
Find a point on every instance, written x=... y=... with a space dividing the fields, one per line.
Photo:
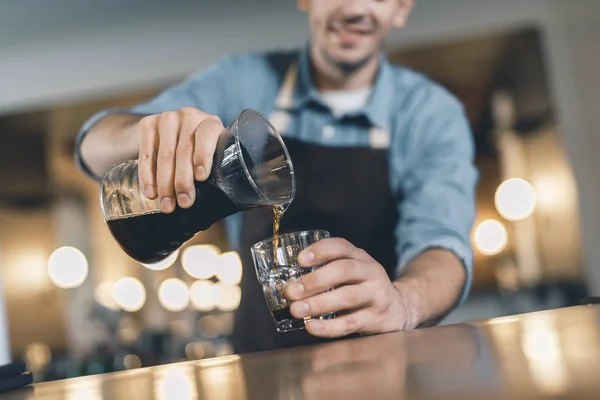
x=276 y=264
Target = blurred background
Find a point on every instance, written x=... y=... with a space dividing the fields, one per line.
x=526 y=70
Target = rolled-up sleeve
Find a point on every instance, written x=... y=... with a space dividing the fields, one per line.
x=437 y=186
x=205 y=90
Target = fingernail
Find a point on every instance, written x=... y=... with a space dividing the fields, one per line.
x=302 y=308
x=149 y=190
x=296 y=289
x=200 y=172
x=166 y=203
x=307 y=258
x=315 y=324
x=184 y=199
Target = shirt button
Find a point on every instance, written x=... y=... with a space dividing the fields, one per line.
x=328 y=132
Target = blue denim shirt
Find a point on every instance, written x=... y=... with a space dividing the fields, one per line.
x=430 y=148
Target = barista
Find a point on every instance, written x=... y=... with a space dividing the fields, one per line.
x=383 y=160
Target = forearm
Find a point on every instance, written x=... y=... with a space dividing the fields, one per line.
x=430 y=286
x=110 y=141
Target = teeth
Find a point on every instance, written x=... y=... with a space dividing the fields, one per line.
x=343 y=30
x=356 y=31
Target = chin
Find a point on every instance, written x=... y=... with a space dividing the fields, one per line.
x=350 y=58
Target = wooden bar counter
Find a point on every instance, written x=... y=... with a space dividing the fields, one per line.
x=546 y=355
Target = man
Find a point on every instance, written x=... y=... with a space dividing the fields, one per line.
x=383 y=160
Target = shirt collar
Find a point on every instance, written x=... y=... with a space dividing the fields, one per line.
x=379 y=107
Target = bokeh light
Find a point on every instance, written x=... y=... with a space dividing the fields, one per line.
x=67 y=267
x=130 y=294
x=225 y=323
x=37 y=355
x=194 y=351
x=515 y=199
x=128 y=330
x=104 y=295
x=230 y=268
x=200 y=262
x=32 y=264
x=164 y=264
x=132 y=361
x=204 y=295
x=174 y=295
x=208 y=326
x=229 y=297
x=490 y=237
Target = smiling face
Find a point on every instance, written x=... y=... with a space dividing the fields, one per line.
x=348 y=33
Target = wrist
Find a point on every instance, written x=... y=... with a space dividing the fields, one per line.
x=409 y=303
x=128 y=138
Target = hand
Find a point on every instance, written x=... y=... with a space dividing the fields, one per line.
x=176 y=148
x=368 y=301
x=362 y=369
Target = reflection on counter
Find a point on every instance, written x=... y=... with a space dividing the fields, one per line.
x=550 y=354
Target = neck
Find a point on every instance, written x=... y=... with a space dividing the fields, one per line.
x=329 y=76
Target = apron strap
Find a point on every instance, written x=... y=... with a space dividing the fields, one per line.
x=286 y=92
x=280 y=118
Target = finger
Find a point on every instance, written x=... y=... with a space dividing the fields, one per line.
x=347 y=351
x=207 y=135
x=336 y=273
x=328 y=250
x=148 y=144
x=184 y=163
x=345 y=298
x=342 y=325
x=168 y=130
x=351 y=380
x=331 y=354
x=380 y=378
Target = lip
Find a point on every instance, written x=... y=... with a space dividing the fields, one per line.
x=349 y=35
x=348 y=29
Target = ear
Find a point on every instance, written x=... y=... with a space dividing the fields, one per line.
x=303 y=5
x=402 y=13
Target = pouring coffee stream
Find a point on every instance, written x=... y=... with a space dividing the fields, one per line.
x=251 y=169
x=277 y=215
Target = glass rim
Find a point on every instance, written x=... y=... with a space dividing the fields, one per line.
x=281 y=143
x=263 y=243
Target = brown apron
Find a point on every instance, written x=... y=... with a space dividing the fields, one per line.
x=344 y=190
